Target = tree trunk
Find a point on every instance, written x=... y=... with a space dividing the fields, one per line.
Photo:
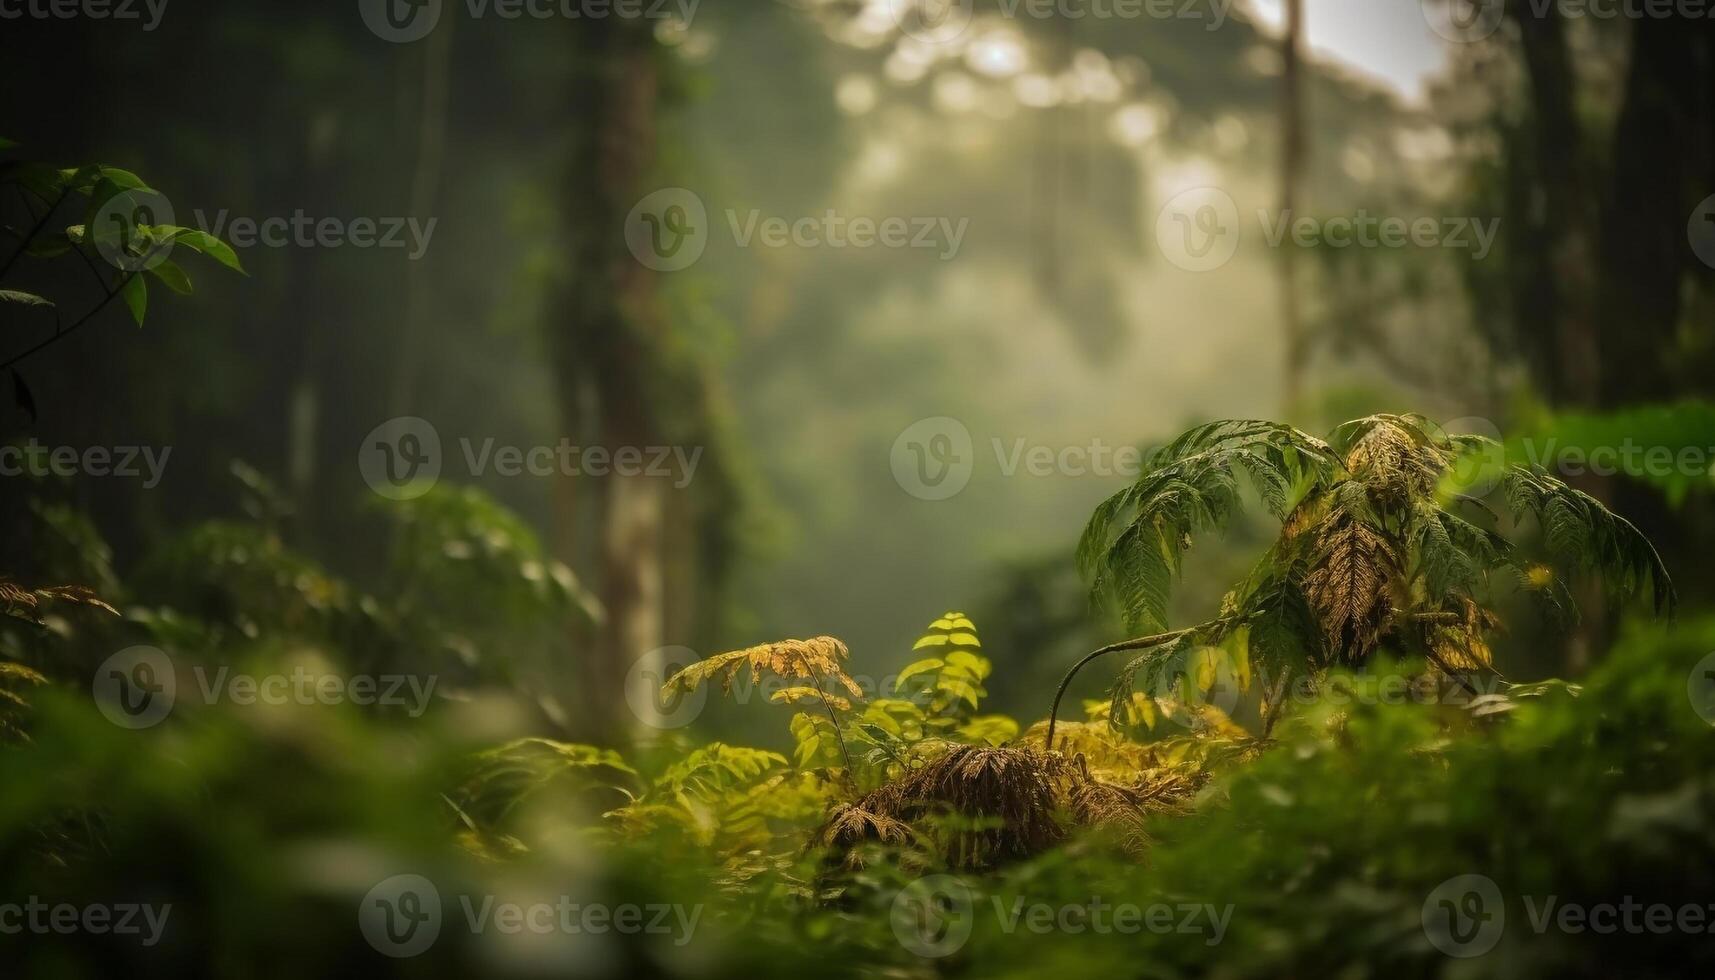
x=1291 y=167
x=603 y=329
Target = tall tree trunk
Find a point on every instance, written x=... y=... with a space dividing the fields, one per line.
x=1644 y=214
x=1291 y=168
x=1569 y=211
x=603 y=332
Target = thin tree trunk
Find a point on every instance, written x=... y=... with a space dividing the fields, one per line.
x=1291 y=167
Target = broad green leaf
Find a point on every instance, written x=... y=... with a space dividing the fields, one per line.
x=136 y=294
x=124 y=179
x=172 y=276
x=920 y=667
x=207 y=244
x=968 y=662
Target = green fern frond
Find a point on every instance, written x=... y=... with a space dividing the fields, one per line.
x=950 y=683
x=1583 y=535
x=1130 y=550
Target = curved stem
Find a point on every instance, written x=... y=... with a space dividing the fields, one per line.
x=816 y=679
x=1133 y=644
x=60 y=333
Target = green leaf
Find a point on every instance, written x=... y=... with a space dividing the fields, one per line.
x=207 y=244
x=28 y=299
x=123 y=179
x=172 y=276
x=6 y=144
x=920 y=667
x=136 y=294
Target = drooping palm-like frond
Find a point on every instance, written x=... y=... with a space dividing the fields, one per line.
x=1131 y=548
x=1584 y=535
x=1375 y=546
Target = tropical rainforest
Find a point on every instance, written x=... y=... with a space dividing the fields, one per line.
x=858 y=488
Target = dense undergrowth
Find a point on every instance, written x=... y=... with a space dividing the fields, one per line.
x=1219 y=819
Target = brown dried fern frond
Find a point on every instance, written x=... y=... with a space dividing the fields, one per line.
x=1006 y=793
x=980 y=806
x=1396 y=462
x=1350 y=587
x=812 y=659
x=26 y=604
x=1123 y=809
x=849 y=827
x=1458 y=644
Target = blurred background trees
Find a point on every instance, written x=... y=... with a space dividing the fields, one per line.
x=1057 y=323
